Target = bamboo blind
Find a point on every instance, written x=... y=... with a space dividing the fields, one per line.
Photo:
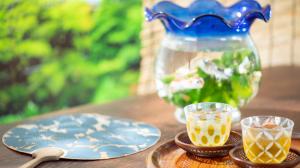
x=278 y=41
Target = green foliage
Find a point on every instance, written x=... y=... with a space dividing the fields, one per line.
x=60 y=53
x=236 y=90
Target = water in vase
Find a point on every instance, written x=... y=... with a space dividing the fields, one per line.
x=223 y=70
x=207 y=54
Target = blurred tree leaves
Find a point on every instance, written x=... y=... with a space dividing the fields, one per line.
x=60 y=53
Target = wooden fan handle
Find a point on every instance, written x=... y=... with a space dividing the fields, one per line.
x=42 y=155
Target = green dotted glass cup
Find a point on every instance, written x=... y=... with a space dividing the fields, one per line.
x=208 y=123
x=267 y=139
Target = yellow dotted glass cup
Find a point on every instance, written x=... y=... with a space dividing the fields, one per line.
x=208 y=123
x=267 y=139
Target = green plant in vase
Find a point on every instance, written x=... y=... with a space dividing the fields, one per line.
x=207 y=54
x=233 y=79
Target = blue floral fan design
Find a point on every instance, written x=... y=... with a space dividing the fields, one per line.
x=208 y=17
x=83 y=136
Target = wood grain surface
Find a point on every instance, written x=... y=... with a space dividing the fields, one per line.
x=279 y=95
x=169 y=155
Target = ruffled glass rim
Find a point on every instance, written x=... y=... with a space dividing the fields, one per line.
x=238 y=15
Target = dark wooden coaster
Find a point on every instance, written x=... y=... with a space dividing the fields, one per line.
x=182 y=140
x=239 y=157
x=169 y=155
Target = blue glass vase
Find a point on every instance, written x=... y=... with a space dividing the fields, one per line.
x=207 y=54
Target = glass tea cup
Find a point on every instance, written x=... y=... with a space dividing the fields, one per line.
x=208 y=123
x=266 y=139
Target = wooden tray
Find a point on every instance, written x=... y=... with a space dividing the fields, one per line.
x=169 y=155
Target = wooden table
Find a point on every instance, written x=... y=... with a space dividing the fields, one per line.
x=279 y=95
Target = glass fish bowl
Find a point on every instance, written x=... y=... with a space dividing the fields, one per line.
x=207 y=54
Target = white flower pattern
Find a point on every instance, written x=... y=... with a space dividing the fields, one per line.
x=83 y=136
